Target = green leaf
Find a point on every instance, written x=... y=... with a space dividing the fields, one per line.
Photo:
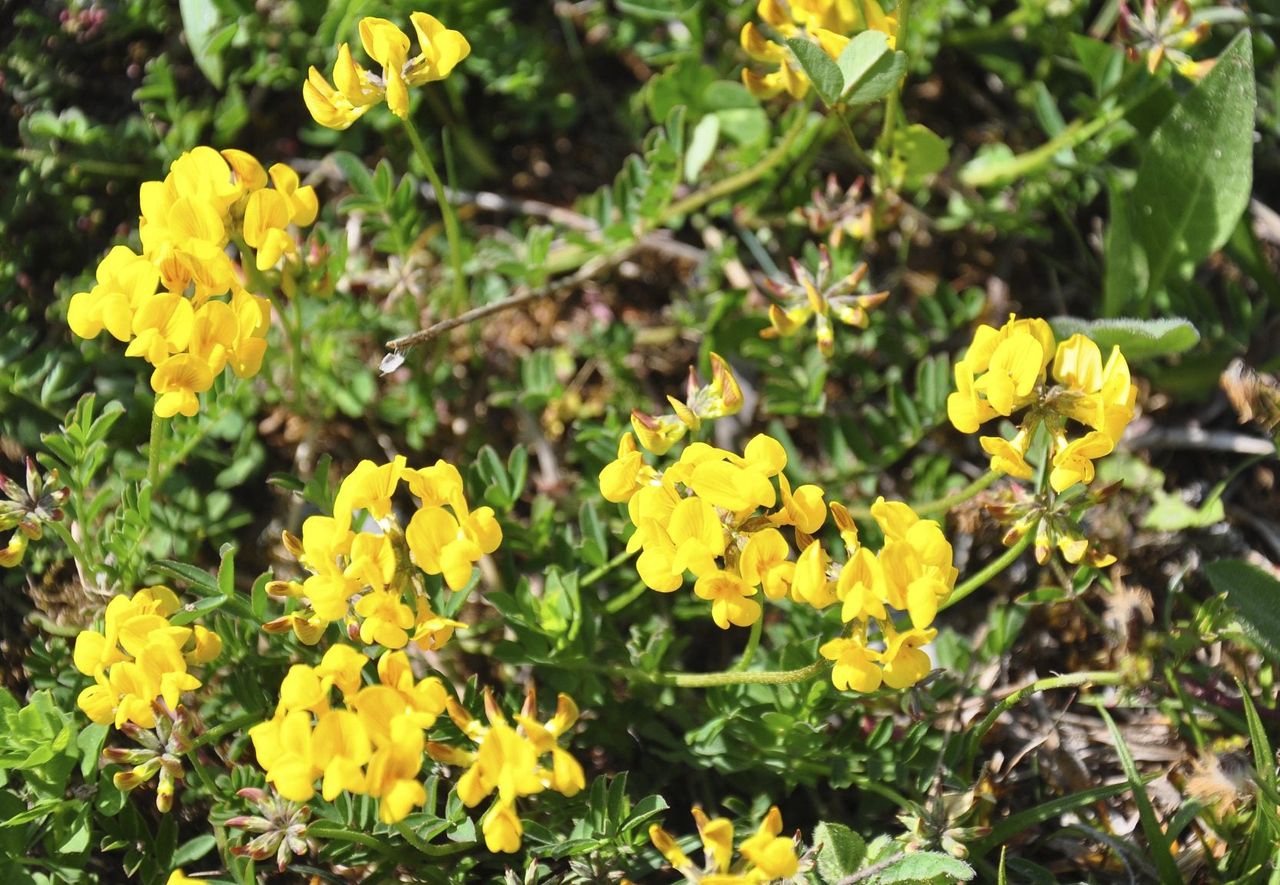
x=1125 y=267
x=701 y=146
x=840 y=851
x=227 y=569
x=822 y=72
x=1137 y=339
x=194 y=849
x=1022 y=821
x=917 y=153
x=925 y=865
x=196 y=578
x=1158 y=843
x=1255 y=597
x=1197 y=171
x=1103 y=62
x=200 y=24
x=1169 y=513
x=868 y=68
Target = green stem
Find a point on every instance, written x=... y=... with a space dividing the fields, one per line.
x=738 y=181
x=753 y=642
x=885 y=143
x=696 y=680
x=993 y=568
x=332 y=832
x=618 y=603
x=77 y=552
x=451 y=230
x=428 y=849
x=1074 y=135
x=596 y=574
x=575 y=257
x=849 y=136
x=93 y=167
x=941 y=505
x=153 y=451
x=226 y=728
x=1097 y=677
x=944 y=505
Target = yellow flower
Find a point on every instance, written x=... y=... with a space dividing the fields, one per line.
x=357 y=90
x=1004 y=371
x=856 y=666
x=728 y=594
x=773 y=855
x=125 y=281
x=904 y=663
x=766 y=855
x=441 y=50
x=177 y=380
x=1074 y=462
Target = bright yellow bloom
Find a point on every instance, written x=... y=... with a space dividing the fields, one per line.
x=1006 y=370
x=355 y=90
x=728 y=594
x=177 y=381
x=766 y=855
x=140 y=659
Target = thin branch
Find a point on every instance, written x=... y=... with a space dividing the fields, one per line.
x=584 y=273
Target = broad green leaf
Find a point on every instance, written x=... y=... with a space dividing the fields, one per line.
x=1255 y=597
x=1197 y=171
x=1137 y=339
x=869 y=68
x=819 y=68
x=840 y=851
x=924 y=865
x=200 y=24
x=1169 y=513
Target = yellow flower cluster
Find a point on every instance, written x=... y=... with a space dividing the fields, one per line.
x=357 y=89
x=829 y=23
x=371 y=745
x=1006 y=370
x=366 y=578
x=186 y=330
x=141 y=657
x=719 y=399
x=912 y=572
x=766 y=854
x=718 y=515
x=507 y=761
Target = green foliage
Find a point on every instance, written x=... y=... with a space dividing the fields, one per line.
x=1253 y=595
x=1192 y=185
